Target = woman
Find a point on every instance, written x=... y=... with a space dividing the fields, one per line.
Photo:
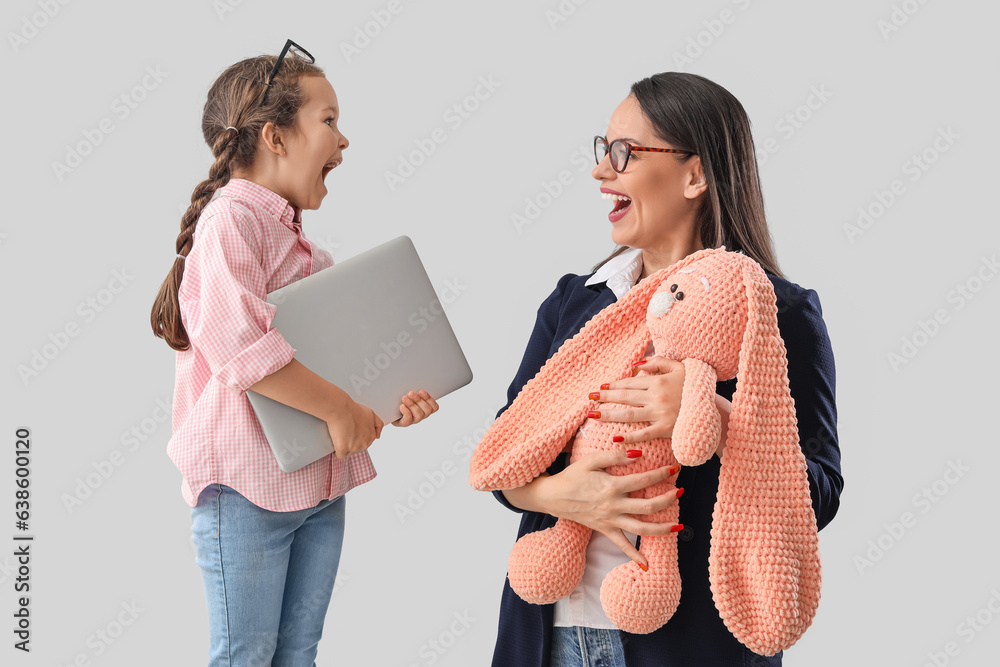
x=679 y=163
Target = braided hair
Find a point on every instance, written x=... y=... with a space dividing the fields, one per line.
x=231 y=124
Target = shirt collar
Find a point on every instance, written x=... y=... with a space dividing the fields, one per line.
x=269 y=200
x=620 y=272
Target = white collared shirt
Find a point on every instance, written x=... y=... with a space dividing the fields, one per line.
x=583 y=606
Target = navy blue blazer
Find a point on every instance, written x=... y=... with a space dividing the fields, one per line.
x=695 y=635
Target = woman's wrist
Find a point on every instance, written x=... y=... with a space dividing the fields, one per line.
x=531 y=496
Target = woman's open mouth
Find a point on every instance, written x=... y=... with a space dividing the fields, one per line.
x=622 y=205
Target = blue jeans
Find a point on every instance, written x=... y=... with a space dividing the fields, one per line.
x=586 y=647
x=268 y=577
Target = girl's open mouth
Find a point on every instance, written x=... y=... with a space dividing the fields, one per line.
x=330 y=166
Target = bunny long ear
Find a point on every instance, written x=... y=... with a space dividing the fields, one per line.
x=528 y=436
x=764 y=567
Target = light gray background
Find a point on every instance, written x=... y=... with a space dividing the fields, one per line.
x=404 y=584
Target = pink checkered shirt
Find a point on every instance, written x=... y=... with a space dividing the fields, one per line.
x=248 y=242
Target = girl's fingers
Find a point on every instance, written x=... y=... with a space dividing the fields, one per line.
x=423 y=403
x=404 y=420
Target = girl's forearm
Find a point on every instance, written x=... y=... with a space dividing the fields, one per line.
x=295 y=385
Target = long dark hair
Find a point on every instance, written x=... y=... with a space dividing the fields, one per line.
x=692 y=113
x=233 y=100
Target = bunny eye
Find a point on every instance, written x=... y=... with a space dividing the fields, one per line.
x=679 y=296
x=673 y=288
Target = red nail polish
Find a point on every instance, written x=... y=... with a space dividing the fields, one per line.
x=595 y=395
x=606 y=386
x=678 y=528
x=593 y=414
x=674 y=470
x=633 y=453
x=618 y=438
x=640 y=362
x=680 y=491
x=642 y=567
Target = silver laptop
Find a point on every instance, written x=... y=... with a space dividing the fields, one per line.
x=373 y=326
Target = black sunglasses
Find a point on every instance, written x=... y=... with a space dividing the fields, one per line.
x=296 y=51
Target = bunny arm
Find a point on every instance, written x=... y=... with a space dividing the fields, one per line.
x=528 y=436
x=699 y=426
x=515 y=461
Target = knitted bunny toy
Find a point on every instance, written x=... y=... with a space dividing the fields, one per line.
x=714 y=311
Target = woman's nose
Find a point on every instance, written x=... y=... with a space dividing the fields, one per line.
x=603 y=170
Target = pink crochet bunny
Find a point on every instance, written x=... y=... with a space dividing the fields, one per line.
x=715 y=312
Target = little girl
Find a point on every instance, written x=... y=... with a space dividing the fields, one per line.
x=268 y=542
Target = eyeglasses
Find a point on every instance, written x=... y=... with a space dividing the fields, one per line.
x=621 y=151
x=296 y=51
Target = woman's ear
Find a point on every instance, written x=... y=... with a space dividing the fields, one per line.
x=695 y=178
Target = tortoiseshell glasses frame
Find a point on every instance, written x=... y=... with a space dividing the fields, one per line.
x=621 y=150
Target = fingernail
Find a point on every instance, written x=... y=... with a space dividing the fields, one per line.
x=633 y=453
x=680 y=492
x=606 y=386
x=678 y=528
x=640 y=362
x=674 y=469
x=642 y=567
x=618 y=438
x=593 y=414
x=595 y=395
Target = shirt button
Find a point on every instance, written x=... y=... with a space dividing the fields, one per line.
x=686 y=534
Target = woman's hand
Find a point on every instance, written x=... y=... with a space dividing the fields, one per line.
x=353 y=429
x=655 y=398
x=585 y=493
x=416 y=407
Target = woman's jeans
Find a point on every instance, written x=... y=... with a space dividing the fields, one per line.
x=586 y=647
x=268 y=577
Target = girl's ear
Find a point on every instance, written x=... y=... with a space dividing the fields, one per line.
x=272 y=139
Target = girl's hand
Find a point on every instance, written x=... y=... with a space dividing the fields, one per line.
x=584 y=492
x=656 y=399
x=416 y=407
x=354 y=429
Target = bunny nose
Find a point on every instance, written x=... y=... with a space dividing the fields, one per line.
x=660 y=303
